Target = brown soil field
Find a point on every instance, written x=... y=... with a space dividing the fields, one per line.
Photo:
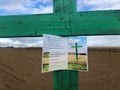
x=20 y=69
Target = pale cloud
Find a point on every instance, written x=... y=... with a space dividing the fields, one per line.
x=14 y=7
x=92 y=5
x=21 y=42
x=42 y=10
x=104 y=41
x=17 y=43
x=5 y=42
x=28 y=42
x=72 y=40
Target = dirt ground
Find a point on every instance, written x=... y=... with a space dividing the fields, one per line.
x=20 y=70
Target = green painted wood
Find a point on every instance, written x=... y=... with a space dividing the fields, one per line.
x=65 y=21
x=65 y=80
x=62 y=7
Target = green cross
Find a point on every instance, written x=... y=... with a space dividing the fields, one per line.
x=64 y=21
x=76 y=50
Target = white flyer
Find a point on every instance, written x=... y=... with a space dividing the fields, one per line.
x=64 y=53
x=55 y=53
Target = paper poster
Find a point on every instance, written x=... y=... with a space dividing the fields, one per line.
x=64 y=53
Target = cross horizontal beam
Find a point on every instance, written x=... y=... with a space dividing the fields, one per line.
x=85 y=23
x=77 y=46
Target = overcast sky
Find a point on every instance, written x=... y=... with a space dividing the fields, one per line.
x=18 y=7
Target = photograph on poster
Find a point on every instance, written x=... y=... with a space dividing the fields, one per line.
x=77 y=53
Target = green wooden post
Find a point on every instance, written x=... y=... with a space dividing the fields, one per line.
x=65 y=80
x=65 y=21
x=76 y=50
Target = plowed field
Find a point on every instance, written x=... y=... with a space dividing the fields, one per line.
x=20 y=70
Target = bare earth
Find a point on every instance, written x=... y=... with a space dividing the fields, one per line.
x=20 y=70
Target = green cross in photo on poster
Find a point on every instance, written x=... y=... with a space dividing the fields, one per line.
x=76 y=49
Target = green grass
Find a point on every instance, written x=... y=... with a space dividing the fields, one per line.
x=46 y=55
x=45 y=67
x=70 y=67
x=77 y=66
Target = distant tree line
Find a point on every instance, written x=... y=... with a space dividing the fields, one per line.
x=7 y=47
x=10 y=47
